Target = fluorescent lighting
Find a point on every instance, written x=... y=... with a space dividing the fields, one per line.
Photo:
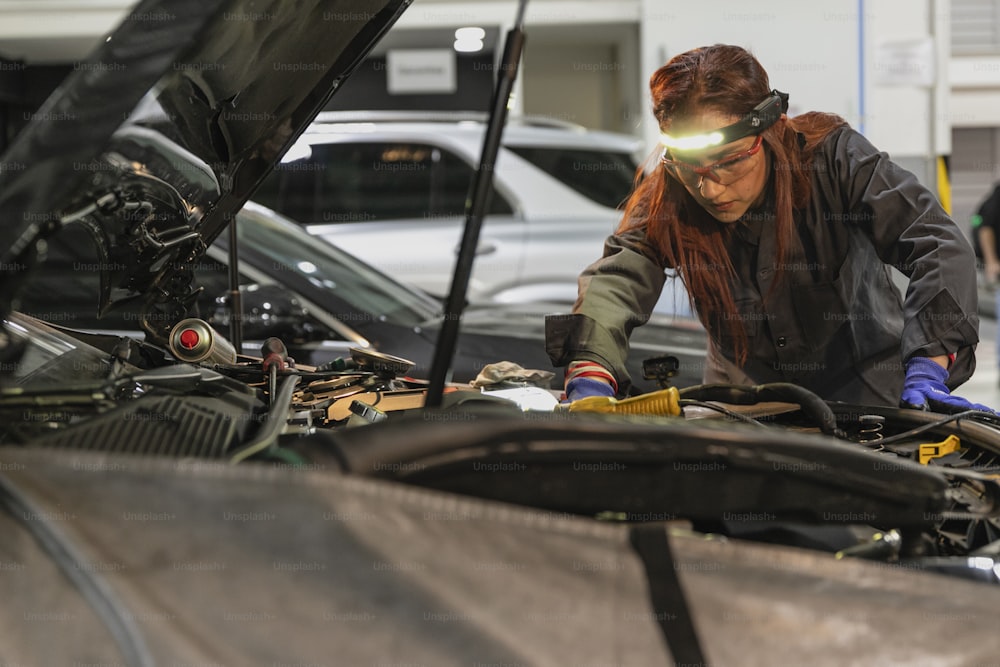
x=468 y=45
x=463 y=34
x=469 y=40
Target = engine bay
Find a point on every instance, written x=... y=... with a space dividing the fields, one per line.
x=767 y=464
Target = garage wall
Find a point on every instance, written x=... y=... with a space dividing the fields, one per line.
x=589 y=61
x=824 y=54
x=575 y=82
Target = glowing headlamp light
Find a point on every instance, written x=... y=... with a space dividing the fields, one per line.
x=694 y=142
x=763 y=116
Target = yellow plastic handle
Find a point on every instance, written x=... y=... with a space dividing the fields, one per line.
x=662 y=403
x=934 y=450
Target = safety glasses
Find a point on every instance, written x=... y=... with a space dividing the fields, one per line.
x=724 y=172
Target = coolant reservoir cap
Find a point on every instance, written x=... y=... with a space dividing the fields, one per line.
x=189 y=339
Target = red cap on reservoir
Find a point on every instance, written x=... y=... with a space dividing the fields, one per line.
x=189 y=339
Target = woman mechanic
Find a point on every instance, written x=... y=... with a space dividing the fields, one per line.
x=782 y=230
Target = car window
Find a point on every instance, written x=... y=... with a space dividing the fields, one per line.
x=268 y=310
x=359 y=182
x=352 y=290
x=601 y=176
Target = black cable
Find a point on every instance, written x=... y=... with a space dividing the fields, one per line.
x=272 y=382
x=985 y=417
x=810 y=403
x=277 y=417
x=94 y=589
x=718 y=408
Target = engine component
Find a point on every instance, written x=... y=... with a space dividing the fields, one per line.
x=882 y=547
x=362 y=413
x=660 y=369
x=193 y=341
x=177 y=426
x=383 y=365
x=383 y=401
x=275 y=358
x=935 y=450
x=870 y=431
x=274 y=352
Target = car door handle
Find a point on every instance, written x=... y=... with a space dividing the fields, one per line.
x=482 y=249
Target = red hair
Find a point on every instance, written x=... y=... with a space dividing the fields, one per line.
x=730 y=81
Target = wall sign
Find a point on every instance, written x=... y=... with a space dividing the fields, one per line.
x=420 y=71
x=905 y=63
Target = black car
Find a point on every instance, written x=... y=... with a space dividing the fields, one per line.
x=240 y=511
x=321 y=302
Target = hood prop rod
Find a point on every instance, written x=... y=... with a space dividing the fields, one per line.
x=482 y=184
x=235 y=301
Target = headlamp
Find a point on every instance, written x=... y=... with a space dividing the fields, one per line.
x=763 y=116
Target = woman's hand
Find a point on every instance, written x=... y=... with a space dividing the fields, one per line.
x=582 y=387
x=925 y=388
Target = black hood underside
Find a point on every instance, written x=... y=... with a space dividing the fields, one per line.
x=157 y=140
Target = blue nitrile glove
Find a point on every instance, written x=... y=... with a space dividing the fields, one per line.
x=925 y=389
x=582 y=387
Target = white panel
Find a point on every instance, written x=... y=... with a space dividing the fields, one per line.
x=906 y=62
x=810 y=50
x=974 y=71
x=975 y=108
x=941 y=95
x=902 y=119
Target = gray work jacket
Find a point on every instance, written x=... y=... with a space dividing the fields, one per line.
x=835 y=324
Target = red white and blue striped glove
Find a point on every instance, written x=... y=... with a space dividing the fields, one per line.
x=586 y=378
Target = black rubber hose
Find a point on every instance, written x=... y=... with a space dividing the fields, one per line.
x=786 y=392
x=277 y=416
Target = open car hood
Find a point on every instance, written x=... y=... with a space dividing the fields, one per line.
x=157 y=140
x=267 y=565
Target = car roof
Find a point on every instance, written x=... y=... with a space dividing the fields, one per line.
x=520 y=130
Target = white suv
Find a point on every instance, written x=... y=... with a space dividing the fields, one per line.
x=390 y=188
